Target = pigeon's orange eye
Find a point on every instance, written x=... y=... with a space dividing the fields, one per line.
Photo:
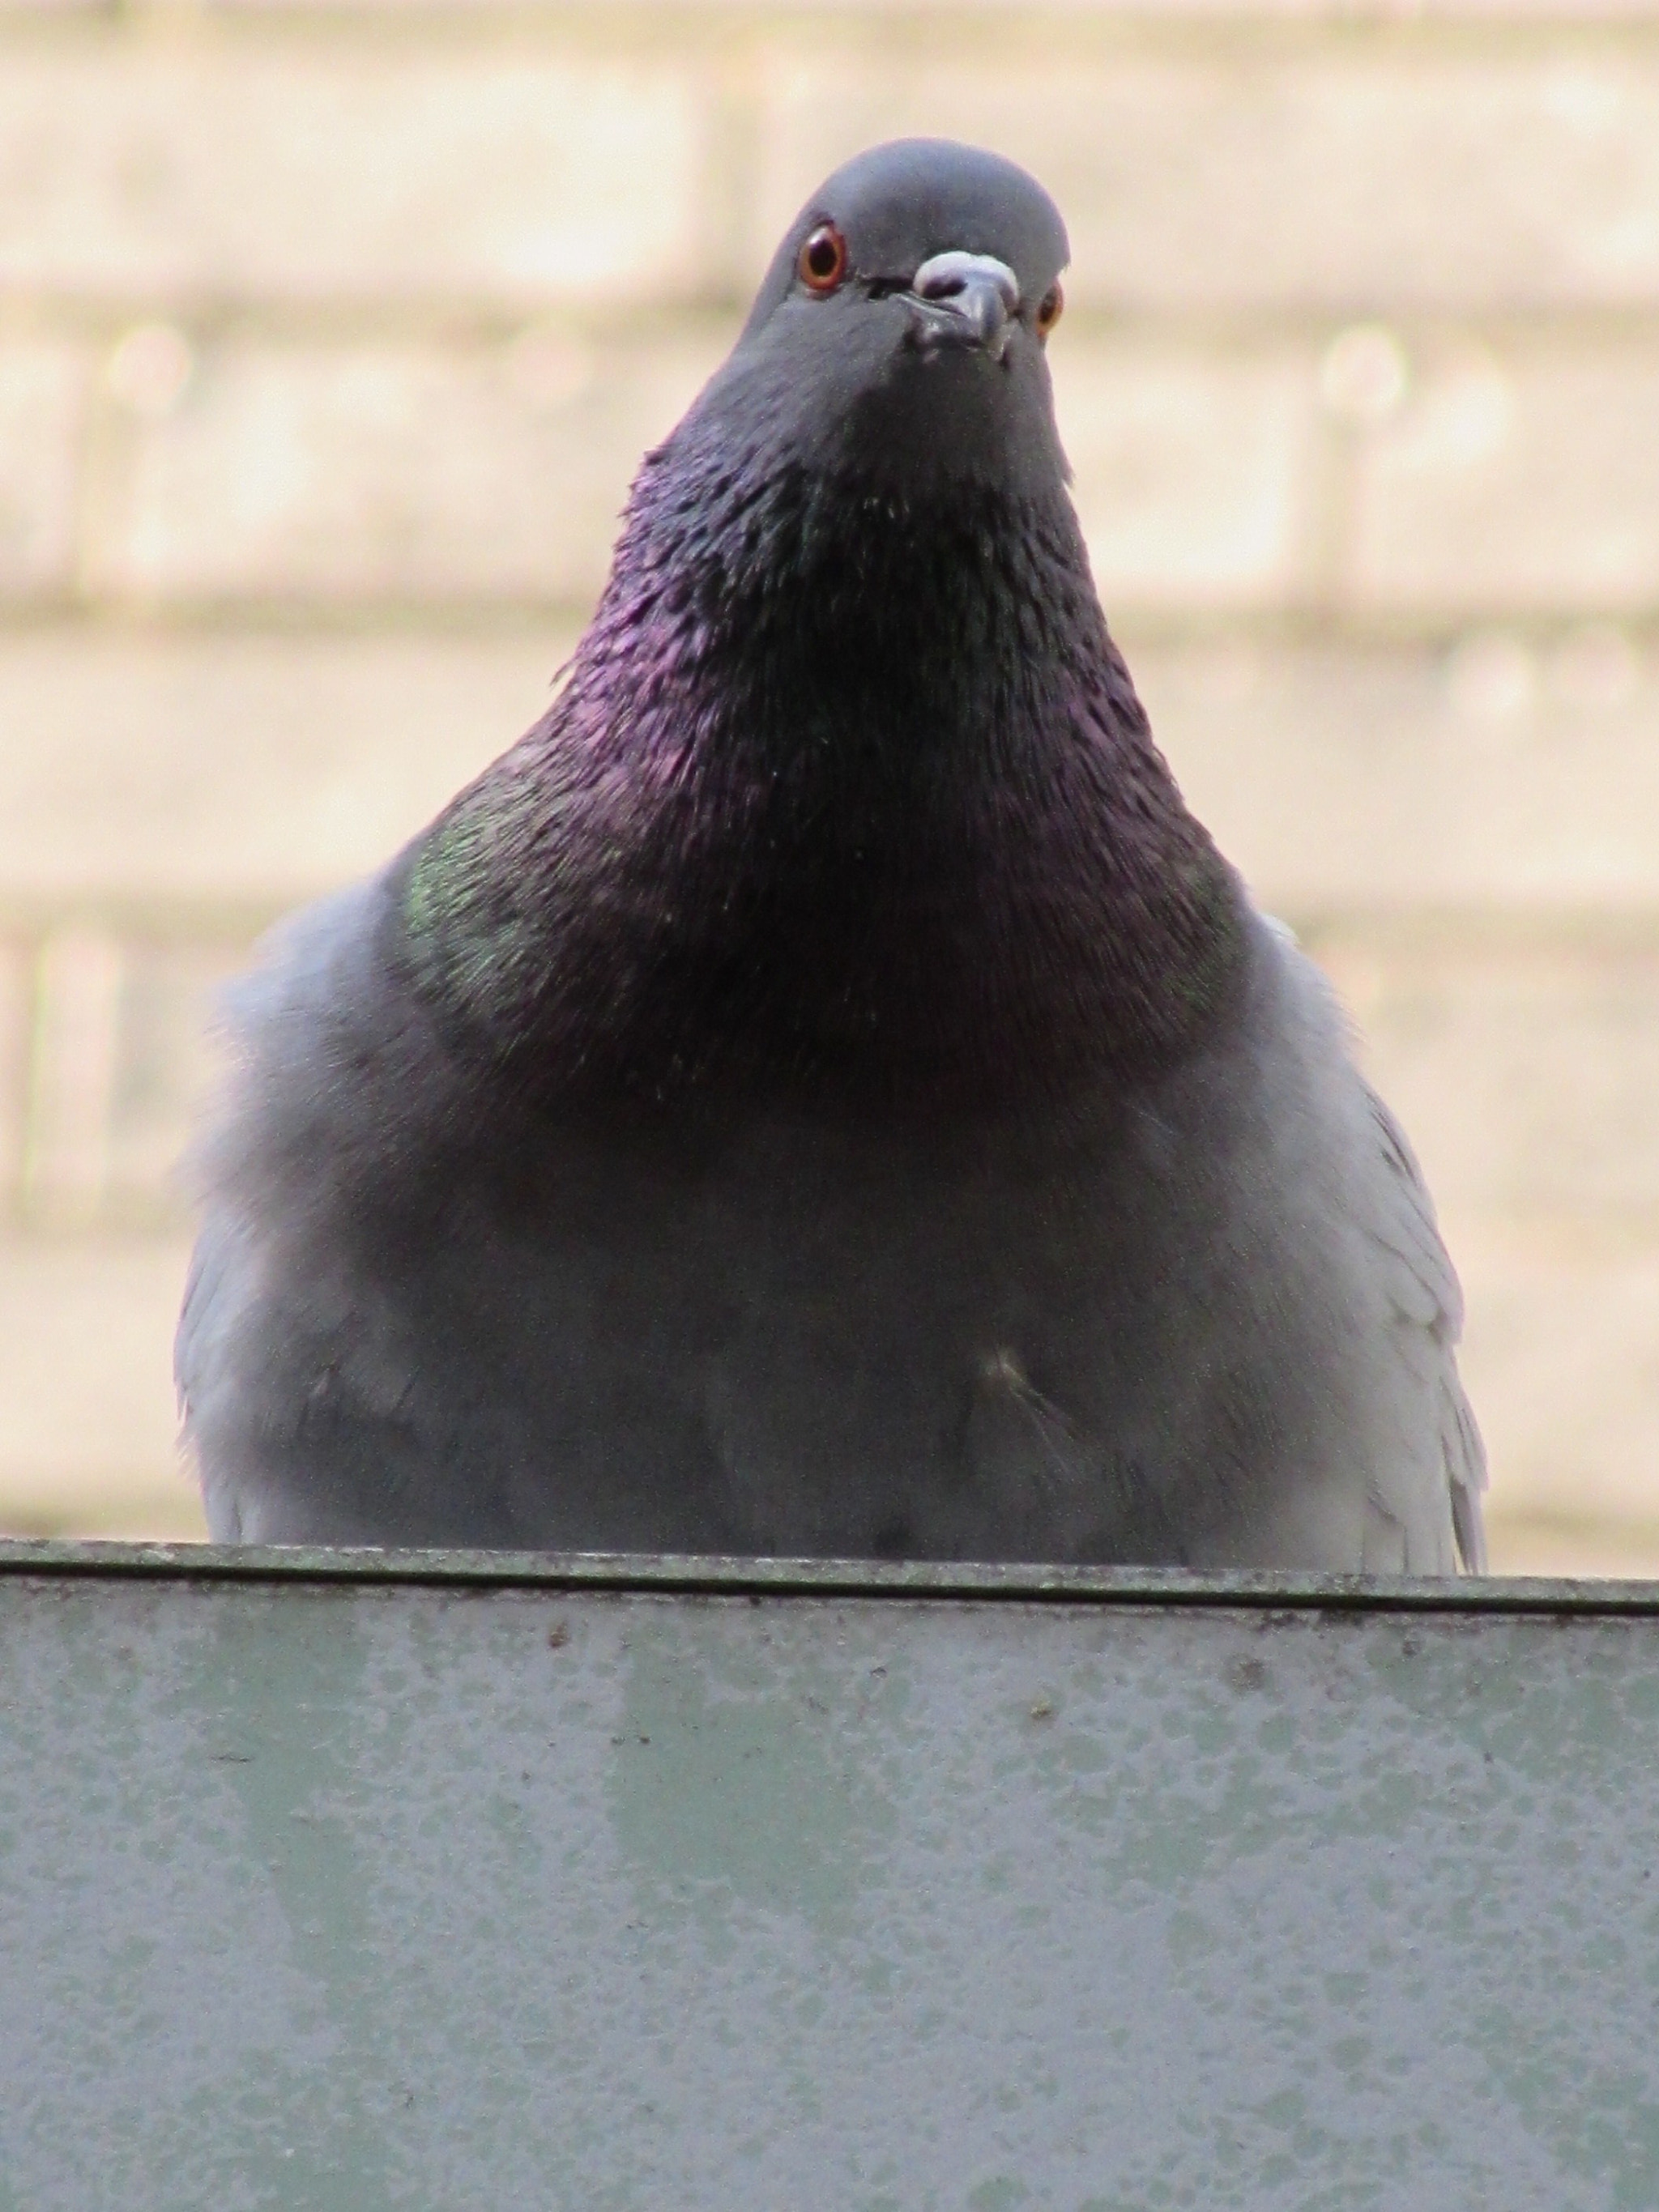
x=823 y=260
x=1050 y=308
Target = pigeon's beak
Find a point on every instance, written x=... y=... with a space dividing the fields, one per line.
x=964 y=300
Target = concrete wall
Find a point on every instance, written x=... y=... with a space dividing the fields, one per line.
x=330 y=336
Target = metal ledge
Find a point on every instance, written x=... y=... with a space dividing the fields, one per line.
x=716 y=1577
x=401 y=1881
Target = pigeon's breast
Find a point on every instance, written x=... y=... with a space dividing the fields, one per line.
x=815 y=1334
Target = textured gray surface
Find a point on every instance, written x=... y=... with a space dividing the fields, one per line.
x=520 y=1886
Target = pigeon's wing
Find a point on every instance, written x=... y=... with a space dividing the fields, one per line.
x=296 y=1362
x=195 y=1323
x=1427 y=1465
x=300 y=1401
x=203 y=1363
x=1426 y=1319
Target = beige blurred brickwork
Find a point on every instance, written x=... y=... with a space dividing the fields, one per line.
x=331 y=333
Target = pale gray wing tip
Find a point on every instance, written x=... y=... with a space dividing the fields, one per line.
x=1431 y=1295
x=1466 y=1469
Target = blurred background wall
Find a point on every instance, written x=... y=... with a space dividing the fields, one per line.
x=331 y=334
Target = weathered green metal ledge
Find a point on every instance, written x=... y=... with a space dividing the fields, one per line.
x=766 y=1577
x=457 y=1882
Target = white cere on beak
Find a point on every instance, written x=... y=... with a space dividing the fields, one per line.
x=972 y=298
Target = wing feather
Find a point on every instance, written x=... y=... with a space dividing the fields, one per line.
x=1423 y=1289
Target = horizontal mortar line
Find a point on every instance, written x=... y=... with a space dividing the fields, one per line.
x=1410 y=930
x=1549 y=1520
x=154 y=920
x=1304 y=626
x=629 y=323
x=145 y=621
x=1593 y=1241
x=1562 y=1239
x=1376 y=632
x=457 y=320
x=1423 y=928
x=1000 y=30
x=1310 y=631
x=757 y=1579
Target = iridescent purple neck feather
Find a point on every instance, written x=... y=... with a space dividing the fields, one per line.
x=848 y=799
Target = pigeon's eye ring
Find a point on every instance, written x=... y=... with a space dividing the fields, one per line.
x=1050 y=308
x=823 y=260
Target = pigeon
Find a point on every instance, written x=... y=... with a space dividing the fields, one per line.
x=821 y=1093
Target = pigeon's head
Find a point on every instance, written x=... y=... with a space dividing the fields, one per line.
x=899 y=334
